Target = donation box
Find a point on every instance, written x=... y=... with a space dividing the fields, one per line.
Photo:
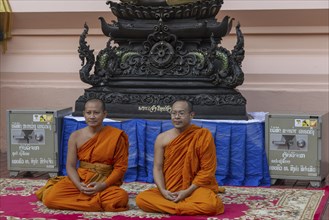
x=297 y=146
x=34 y=139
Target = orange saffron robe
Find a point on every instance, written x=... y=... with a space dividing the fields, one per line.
x=188 y=159
x=110 y=147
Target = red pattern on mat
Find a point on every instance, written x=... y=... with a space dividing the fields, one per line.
x=322 y=205
x=18 y=201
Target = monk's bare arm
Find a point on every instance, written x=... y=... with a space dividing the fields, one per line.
x=71 y=160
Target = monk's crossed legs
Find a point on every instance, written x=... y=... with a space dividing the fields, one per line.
x=65 y=195
x=203 y=201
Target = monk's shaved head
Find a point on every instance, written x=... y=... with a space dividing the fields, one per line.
x=189 y=104
x=96 y=100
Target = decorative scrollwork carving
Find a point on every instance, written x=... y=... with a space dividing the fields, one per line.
x=159 y=99
x=164 y=55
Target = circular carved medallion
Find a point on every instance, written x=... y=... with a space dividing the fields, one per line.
x=161 y=54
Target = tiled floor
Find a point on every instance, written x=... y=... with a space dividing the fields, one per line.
x=279 y=183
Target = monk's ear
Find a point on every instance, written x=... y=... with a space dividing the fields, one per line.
x=192 y=114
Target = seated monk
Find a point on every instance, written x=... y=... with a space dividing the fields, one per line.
x=103 y=155
x=184 y=169
x=159 y=2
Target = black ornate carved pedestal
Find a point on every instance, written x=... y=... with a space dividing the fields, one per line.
x=158 y=54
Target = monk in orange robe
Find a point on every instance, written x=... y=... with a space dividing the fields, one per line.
x=184 y=169
x=103 y=155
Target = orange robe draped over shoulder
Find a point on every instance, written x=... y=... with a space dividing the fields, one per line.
x=189 y=159
x=108 y=147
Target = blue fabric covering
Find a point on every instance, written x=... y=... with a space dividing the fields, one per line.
x=223 y=143
x=237 y=155
x=130 y=128
x=254 y=146
x=141 y=146
x=240 y=148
